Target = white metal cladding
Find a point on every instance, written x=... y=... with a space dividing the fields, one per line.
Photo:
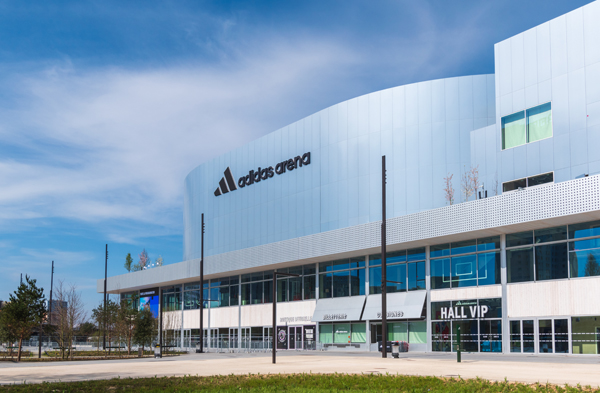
x=502 y=214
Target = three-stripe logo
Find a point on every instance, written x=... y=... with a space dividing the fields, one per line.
x=226 y=183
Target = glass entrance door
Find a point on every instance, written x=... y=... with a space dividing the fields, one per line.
x=245 y=337
x=522 y=336
x=295 y=337
x=233 y=338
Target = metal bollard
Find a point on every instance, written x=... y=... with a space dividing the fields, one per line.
x=458 y=345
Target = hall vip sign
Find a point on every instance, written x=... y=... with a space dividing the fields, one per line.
x=464 y=312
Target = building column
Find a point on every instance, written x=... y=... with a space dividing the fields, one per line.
x=368 y=326
x=504 y=281
x=239 y=312
x=182 y=310
x=428 y=298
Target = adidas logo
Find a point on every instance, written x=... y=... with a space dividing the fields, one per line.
x=226 y=183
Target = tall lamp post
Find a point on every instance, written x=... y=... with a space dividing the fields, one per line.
x=275 y=274
x=50 y=307
x=201 y=332
x=383 y=265
x=105 y=279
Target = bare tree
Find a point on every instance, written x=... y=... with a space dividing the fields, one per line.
x=125 y=323
x=69 y=314
x=470 y=182
x=448 y=189
x=496 y=184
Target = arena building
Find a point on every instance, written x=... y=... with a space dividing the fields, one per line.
x=516 y=264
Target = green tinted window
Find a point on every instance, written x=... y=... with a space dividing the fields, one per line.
x=539 y=122
x=513 y=130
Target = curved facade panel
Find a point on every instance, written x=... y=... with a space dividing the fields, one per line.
x=423 y=129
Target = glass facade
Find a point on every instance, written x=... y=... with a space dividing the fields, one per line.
x=544 y=178
x=554 y=253
x=465 y=264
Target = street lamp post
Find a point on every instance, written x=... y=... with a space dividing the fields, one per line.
x=274 y=333
x=201 y=332
x=383 y=265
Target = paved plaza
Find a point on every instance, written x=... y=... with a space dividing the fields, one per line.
x=530 y=369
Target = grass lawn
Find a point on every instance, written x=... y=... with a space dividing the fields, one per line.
x=291 y=383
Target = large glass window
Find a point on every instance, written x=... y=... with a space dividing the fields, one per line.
x=172 y=298
x=527 y=126
x=345 y=277
x=514 y=130
x=585 y=335
x=519 y=264
x=401 y=276
x=551 y=262
x=539 y=122
x=471 y=263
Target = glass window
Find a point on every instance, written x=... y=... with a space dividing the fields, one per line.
x=357 y=282
x=515 y=336
x=519 y=239
x=417 y=332
x=463 y=247
x=586 y=229
x=440 y=336
x=488 y=243
x=326 y=333
x=584 y=244
x=309 y=269
x=219 y=282
x=375 y=260
x=519 y=263
x=551 y=262
x=440 y=273
x=192 y=286
x=440 y=250
x=309 y=287
x=267 y=291
x=416 y=254
x=375 y=280
x=341 y=284
x=416 y=276
x=539 y=122
x=514 y=185
x=394 y=257
x=550 y=234
x=234 y=291
x=490 y=336
x=469 y=332
x=341 y=333
x=341 y=265
x=357 y=262
x=488 y=265
x=397 y=331
x=513 y=130
x=325 y=266
x=494 y=307
x=436 y=309
x=282 y=290
x=585 y=263
x=295 y=288
x=256 y=292
x=464 y=271
x=191 y=300
x=585 y=335
x=359 y=332
x=245 y=294
x=325 y=280
x=540 y=179
x=396 y=273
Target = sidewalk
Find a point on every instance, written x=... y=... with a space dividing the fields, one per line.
x=582 y=370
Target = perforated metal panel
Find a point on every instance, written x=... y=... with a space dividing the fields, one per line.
x=529 y=205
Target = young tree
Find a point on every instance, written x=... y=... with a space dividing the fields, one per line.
x=126 y=320
x=448 y=189
x=70 y=314
x=128 y=262
x=109 y=318
x=145 y=328
x=144 y=260
x=25 y=312
x=159 y=261
x=469 y=182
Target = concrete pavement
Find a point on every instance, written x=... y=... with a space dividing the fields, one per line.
x=530 y=369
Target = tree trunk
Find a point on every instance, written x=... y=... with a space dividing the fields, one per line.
x=20 y=346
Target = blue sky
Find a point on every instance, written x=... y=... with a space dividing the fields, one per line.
x=105 y=106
